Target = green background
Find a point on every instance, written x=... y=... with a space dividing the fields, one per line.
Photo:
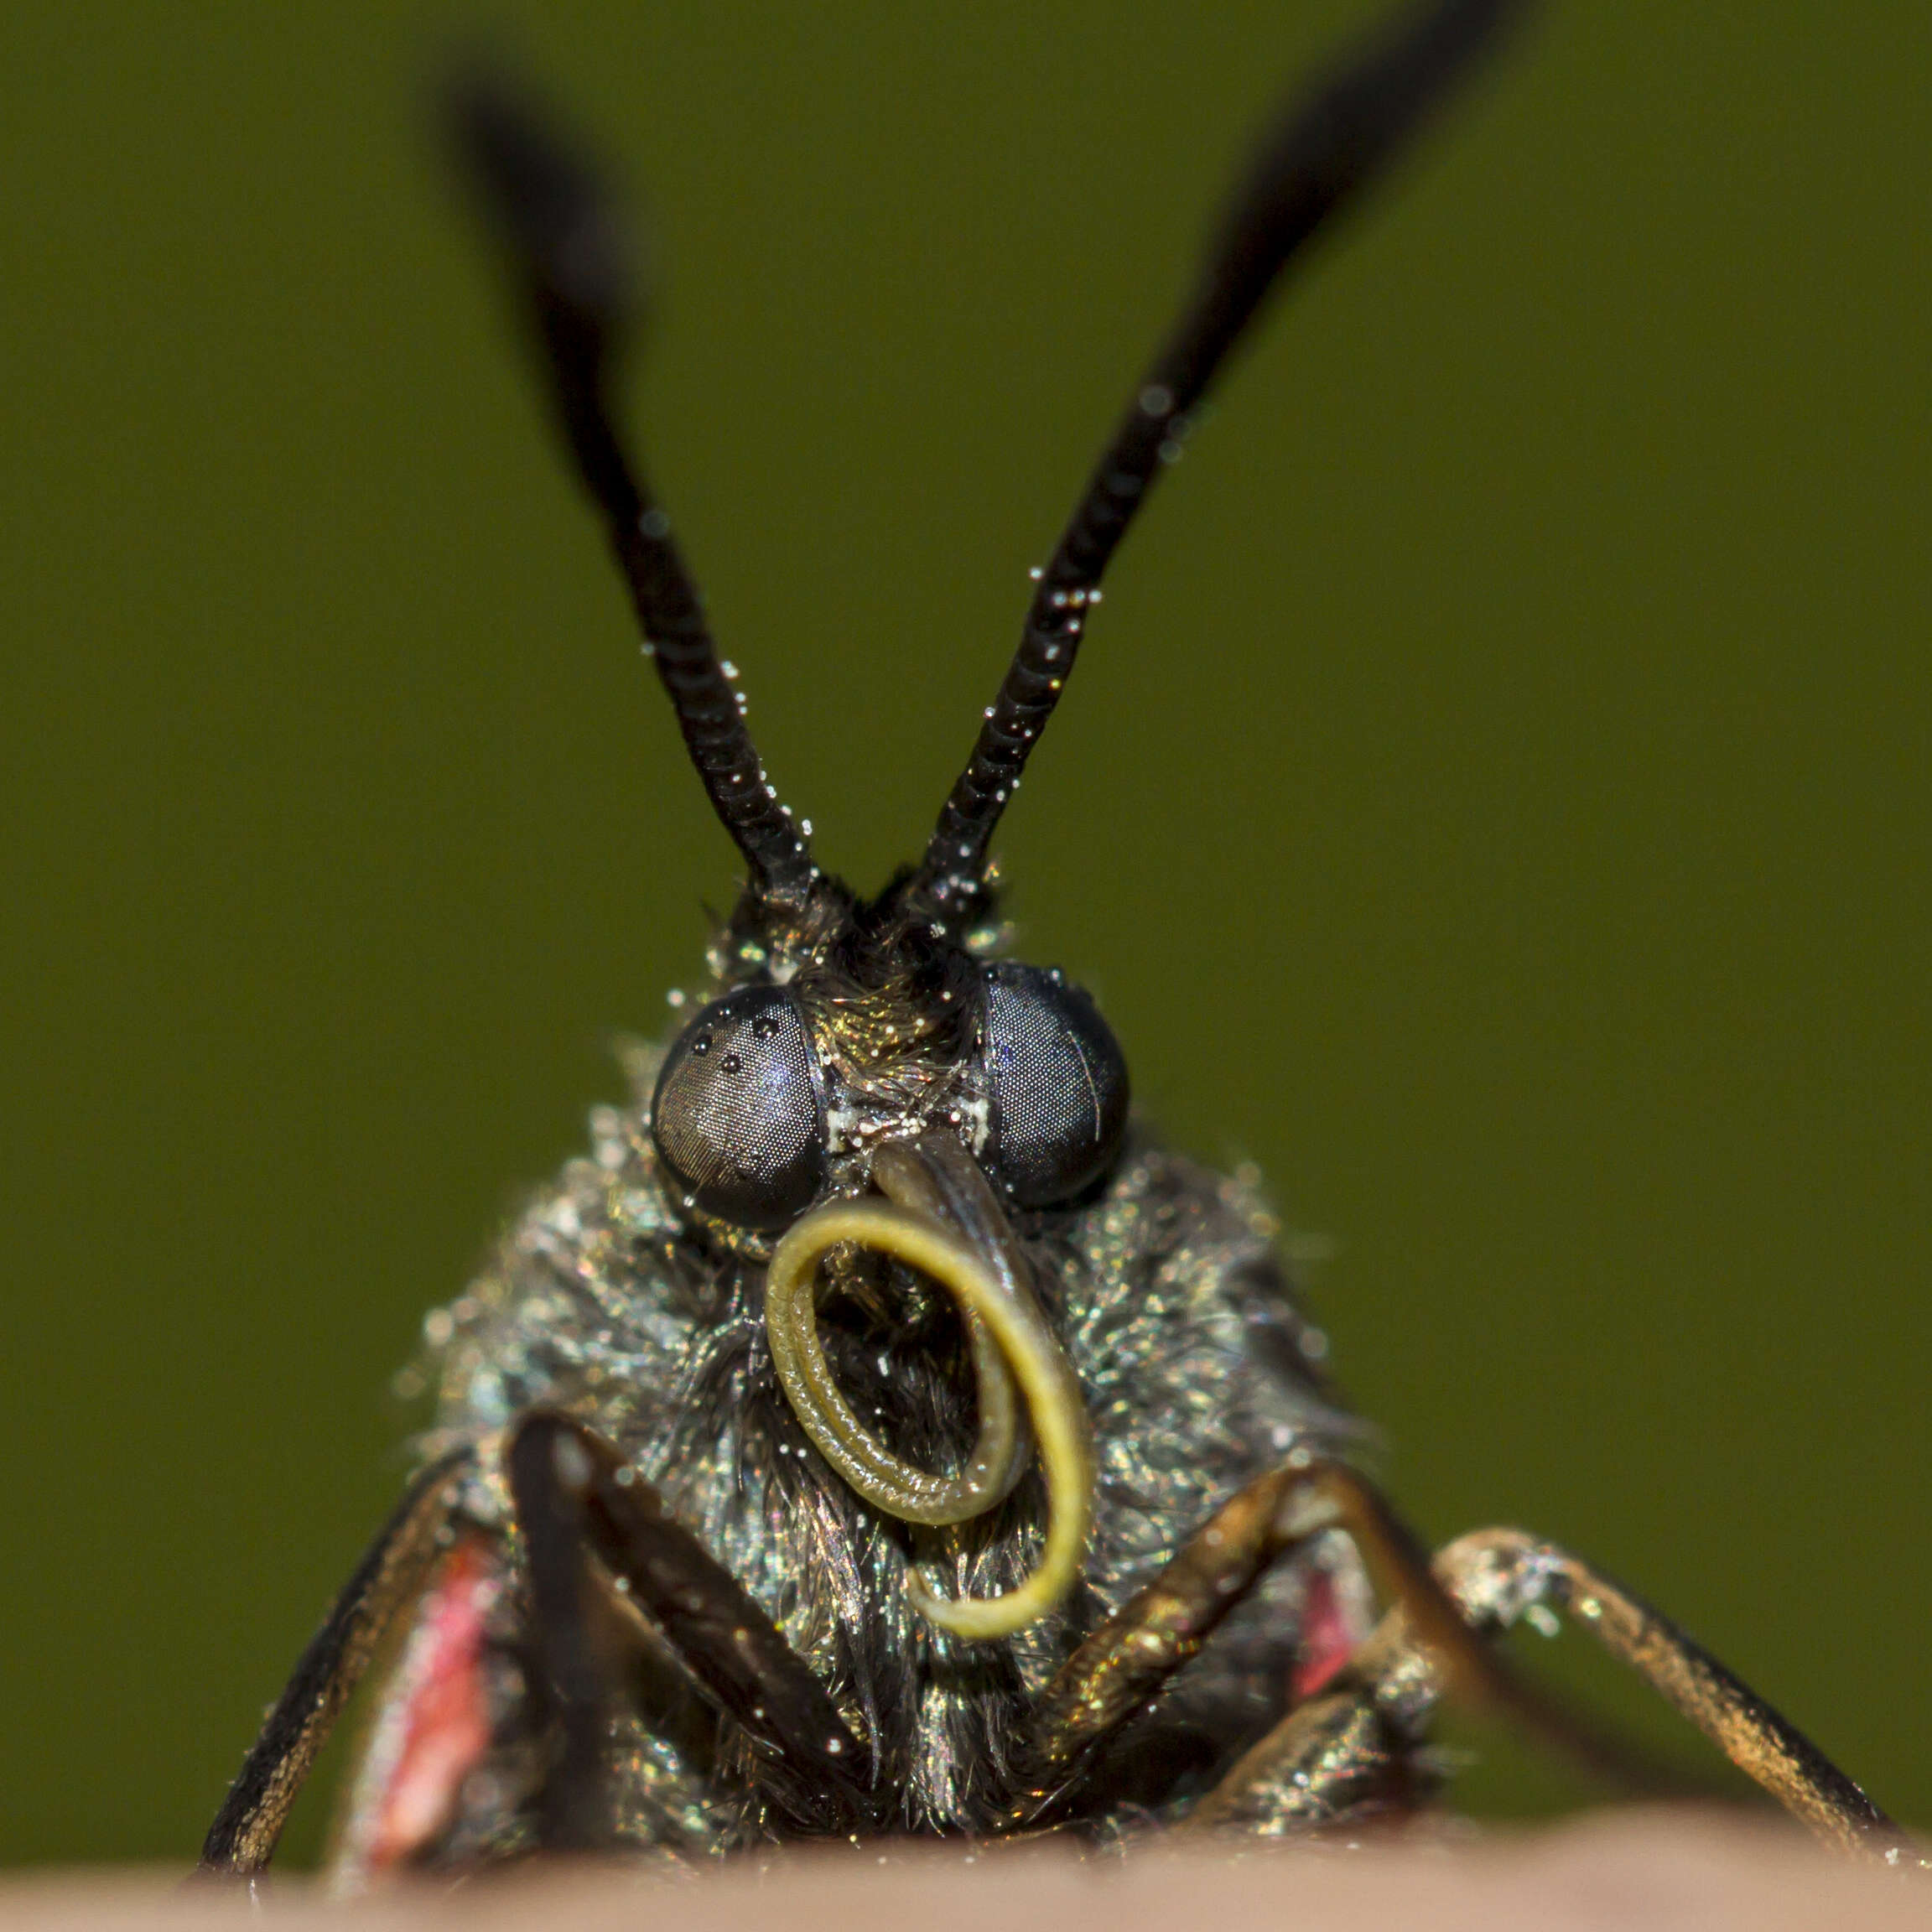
x=1495 y=798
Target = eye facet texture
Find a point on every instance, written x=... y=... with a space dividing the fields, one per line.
x=737 y=1115
x=1059 y=1084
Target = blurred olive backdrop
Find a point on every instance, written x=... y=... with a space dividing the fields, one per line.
x=1495 y=798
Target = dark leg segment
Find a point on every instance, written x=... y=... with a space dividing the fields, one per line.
x=242 y=1839
x=576 y=1495
x=550 y=1478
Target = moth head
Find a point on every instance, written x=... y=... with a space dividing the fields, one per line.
x=771 y=1090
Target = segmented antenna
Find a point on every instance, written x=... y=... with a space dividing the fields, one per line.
x=570 y=258
x=1328 y=145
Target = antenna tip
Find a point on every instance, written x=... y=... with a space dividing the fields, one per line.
x=545 y=197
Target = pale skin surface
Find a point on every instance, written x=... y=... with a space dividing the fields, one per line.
x=1652 y=1872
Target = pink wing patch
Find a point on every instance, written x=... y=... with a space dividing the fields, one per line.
x=434 y=1725
x=1329 y=1635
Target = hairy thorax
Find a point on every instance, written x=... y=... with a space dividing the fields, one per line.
x=1198 y=1372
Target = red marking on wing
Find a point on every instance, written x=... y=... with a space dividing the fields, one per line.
x=1328 y=1636
x=434 y=1725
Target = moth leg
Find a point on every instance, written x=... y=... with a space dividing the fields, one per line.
x=1325 y=1755
x=549 y=1475
x=242 y=1839
x=1346 y=1751
x=1124 y=1664
x=577 y=1496
x=1497 y=1574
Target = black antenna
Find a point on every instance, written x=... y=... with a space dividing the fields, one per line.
x=571 y=259
x=1328 y=145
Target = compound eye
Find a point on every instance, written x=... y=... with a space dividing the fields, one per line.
x=1058 y=1084
x=737 y=1115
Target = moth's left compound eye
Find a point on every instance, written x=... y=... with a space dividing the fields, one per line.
x=1058 y=1084
x=738 y=1117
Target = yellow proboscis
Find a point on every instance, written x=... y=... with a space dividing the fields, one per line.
x=1011 y=1346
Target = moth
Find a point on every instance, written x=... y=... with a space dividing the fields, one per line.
x=880 y=1432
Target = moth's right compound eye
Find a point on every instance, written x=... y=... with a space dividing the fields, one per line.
x=738 y=1117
